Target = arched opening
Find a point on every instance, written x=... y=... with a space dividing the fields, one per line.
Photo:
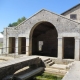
x=44 y=40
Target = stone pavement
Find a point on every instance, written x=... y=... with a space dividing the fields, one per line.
x=74 y=72
x=59 y=66
x=4 y=58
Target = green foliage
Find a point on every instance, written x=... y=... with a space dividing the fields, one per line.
x=2 y=32
x=47 y=76
x=10 y=25
x=18 y=22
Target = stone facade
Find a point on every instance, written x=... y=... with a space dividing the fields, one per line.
x=74 y=10
x=63 y=26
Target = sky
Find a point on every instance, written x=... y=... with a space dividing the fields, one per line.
x=12 y=10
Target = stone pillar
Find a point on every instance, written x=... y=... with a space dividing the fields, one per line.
x=76 y=49
x=7 y=47
x=30 y=46
x=79 y=48
x=27 y=46
x=16 y=46
x=19 y=45
x=60 y=50
x=5 y=41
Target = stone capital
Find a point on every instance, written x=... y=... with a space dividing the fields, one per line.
x=77 y=37
x=59 y=37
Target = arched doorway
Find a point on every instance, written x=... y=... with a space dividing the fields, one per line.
x=44 y=40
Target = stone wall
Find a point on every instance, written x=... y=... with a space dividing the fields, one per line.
x=75 y=10
x=65 y=27
x=61 y=23
x=10 y=67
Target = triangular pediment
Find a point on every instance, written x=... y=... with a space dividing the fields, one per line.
x=61 y=23
x=43 y=14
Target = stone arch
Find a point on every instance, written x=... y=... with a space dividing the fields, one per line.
x=45 y=32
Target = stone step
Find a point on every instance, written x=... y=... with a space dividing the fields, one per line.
x=50 y=63
x=55 y=71
x=46 y=59
x=58 y=66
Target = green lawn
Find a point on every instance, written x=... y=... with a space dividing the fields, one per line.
x=47 y=76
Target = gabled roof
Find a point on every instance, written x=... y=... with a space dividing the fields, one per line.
x=49 y=12
x=70 y=9
x=57 y=15
x=43 y=13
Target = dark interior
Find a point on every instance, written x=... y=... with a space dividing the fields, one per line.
x=12 y=45
x=46 y=33
x=69 y=45
x=23 y=45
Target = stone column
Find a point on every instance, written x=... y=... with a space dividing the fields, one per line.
x=7 y=47
x=27 y=46
x=60 y=50
x=16 y=46
x=76 y=49
x=30 y=46
x=5 y=42
x=19 y=45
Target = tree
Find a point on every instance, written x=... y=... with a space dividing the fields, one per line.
x=18 y=22
x=23 y=18
x=10 y=25
x=2 y=32
x=14 y=24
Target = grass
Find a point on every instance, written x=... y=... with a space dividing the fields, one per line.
x=47 y=76
x=1 y=45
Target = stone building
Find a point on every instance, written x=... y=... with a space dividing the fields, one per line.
x=73 y=13
x=46 y=34
x=1 y=38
